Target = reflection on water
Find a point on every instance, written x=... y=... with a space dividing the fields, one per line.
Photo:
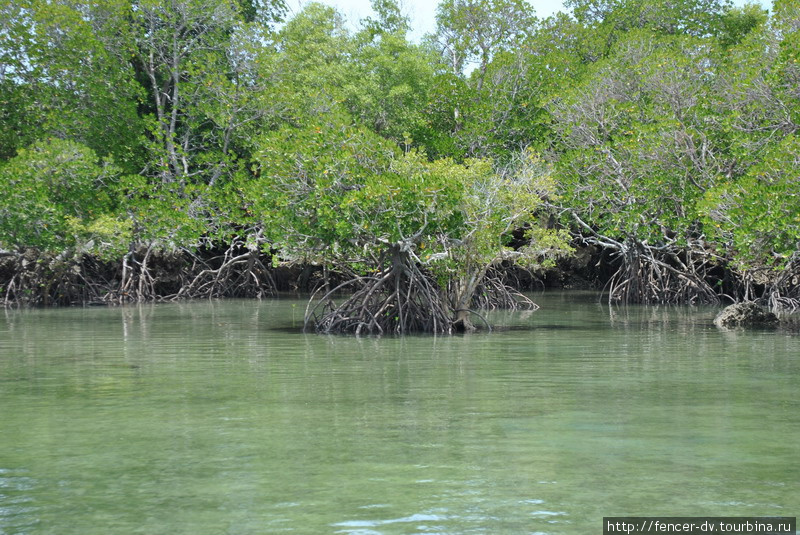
x=221 y=417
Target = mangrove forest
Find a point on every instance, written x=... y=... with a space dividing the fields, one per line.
x=174 y=149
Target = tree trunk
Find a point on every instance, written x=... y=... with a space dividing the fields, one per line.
x=463 y=322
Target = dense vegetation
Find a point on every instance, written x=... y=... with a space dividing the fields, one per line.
x=186 y=148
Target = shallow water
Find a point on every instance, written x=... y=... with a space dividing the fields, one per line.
x=222 y=418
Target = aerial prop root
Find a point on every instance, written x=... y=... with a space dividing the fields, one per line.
x=399 y=298
x=494 y=293
x=239 y=272
x=651 y=275
x=783 y=293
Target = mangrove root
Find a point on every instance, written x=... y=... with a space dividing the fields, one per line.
x=400 y=298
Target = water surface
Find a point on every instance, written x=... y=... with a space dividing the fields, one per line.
x=222 y=418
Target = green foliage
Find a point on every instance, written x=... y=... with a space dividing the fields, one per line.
x=338 y=194
x=663 y=123
x=698 y=18
x=181 y=47
x=168 y=215
x=737 y=23
x=449 y=97
x=758 y=216
x=475 y=30
x=262 y=11
x=491 y=206
x=315 y=48
x=66 y=73
x=390 y=81
x=57 y=194
x=751 y=215
x=332 y=190
x=638 y=151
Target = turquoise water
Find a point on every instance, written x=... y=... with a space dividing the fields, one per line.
x=222 y=418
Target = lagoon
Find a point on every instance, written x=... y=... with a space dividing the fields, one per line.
x=221 y=417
